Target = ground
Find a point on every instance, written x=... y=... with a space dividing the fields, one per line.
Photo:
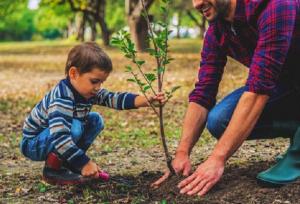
x=129 y=147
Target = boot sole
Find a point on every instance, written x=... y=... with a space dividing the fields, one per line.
x=53 y=181
x=272 y=184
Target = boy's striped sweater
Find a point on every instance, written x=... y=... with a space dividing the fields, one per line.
x=57 y=110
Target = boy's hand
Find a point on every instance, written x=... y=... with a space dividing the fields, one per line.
x=91 y=169
x=158 y=100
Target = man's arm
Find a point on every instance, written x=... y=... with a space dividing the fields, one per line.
x=244 y=118
x=193 y=125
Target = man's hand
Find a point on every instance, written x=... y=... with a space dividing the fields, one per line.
x=91 y=169
x=181 y=165
x=203 y=179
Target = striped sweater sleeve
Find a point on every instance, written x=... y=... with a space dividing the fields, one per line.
x=118 y=100
x=60 y=121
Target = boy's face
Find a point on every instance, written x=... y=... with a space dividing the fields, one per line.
x=87 y=84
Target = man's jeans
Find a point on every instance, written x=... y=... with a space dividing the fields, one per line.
x=280 y=117
x=83 y=135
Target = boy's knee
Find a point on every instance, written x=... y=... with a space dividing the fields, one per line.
x=96 y=120
x=76 y=130
x=216 y=123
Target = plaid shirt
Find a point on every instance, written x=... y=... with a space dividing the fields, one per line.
x=264 y=36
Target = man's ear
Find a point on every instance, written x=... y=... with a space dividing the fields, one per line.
x=73 y=73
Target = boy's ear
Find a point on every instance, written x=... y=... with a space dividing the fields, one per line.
x=73 y=73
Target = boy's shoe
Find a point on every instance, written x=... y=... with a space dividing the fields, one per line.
x=54 y=173
x=62 y=176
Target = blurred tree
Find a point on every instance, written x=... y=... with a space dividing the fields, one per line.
x=182 y=14
x=137 y=23
x=16 y=20
x=186 y=13
x=200 y=21
x=52 y=21
x=94 y=13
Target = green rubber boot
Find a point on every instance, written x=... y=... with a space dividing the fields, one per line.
x=287 y=170
x=281 y=156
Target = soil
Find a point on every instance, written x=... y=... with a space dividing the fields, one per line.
x=237 y=186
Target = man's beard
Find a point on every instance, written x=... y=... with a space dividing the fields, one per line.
x=223 y=8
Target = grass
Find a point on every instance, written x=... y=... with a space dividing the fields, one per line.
x=130 y=142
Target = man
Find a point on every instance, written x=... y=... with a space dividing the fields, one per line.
x=264 y=35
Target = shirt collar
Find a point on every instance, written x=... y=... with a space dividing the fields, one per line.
x=240 y=12
x=77 y=96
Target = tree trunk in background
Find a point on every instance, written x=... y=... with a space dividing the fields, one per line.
x=99 y=16
x=139 y=31
x=81 y=27
x=93 y=25
x=137 y=23
x=95 y=10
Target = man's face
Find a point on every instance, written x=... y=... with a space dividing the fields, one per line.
x=211 y=9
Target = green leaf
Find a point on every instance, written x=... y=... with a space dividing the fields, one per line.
x=42 y=187
x=131 y=80
x=146 y=88
x=115 y=41
x=174 y=89
x=128 y=68
x=140 y=62
x=70 y=201
x=150 y=76
x=164 y=201
x=128 y=55
x=151 y=51
x=161 y=70
x=163 y=9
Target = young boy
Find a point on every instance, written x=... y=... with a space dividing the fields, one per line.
x=61 y=128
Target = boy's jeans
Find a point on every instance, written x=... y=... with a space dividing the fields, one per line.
x=280 y=117
x=37 y=148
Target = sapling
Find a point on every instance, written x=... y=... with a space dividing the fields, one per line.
x=145 y=79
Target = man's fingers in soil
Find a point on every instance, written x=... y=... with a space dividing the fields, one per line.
x=194 y=183
x=199 y=187
x=206 y=188
x=186 y=171
x=160 y=180
x=96 y=174
x=187 y=180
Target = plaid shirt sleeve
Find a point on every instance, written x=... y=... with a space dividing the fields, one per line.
x=213 y=60
x=275 y=26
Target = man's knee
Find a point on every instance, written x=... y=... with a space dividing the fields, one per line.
x=217 y=122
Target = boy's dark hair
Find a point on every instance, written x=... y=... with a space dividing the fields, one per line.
x=87 y=56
